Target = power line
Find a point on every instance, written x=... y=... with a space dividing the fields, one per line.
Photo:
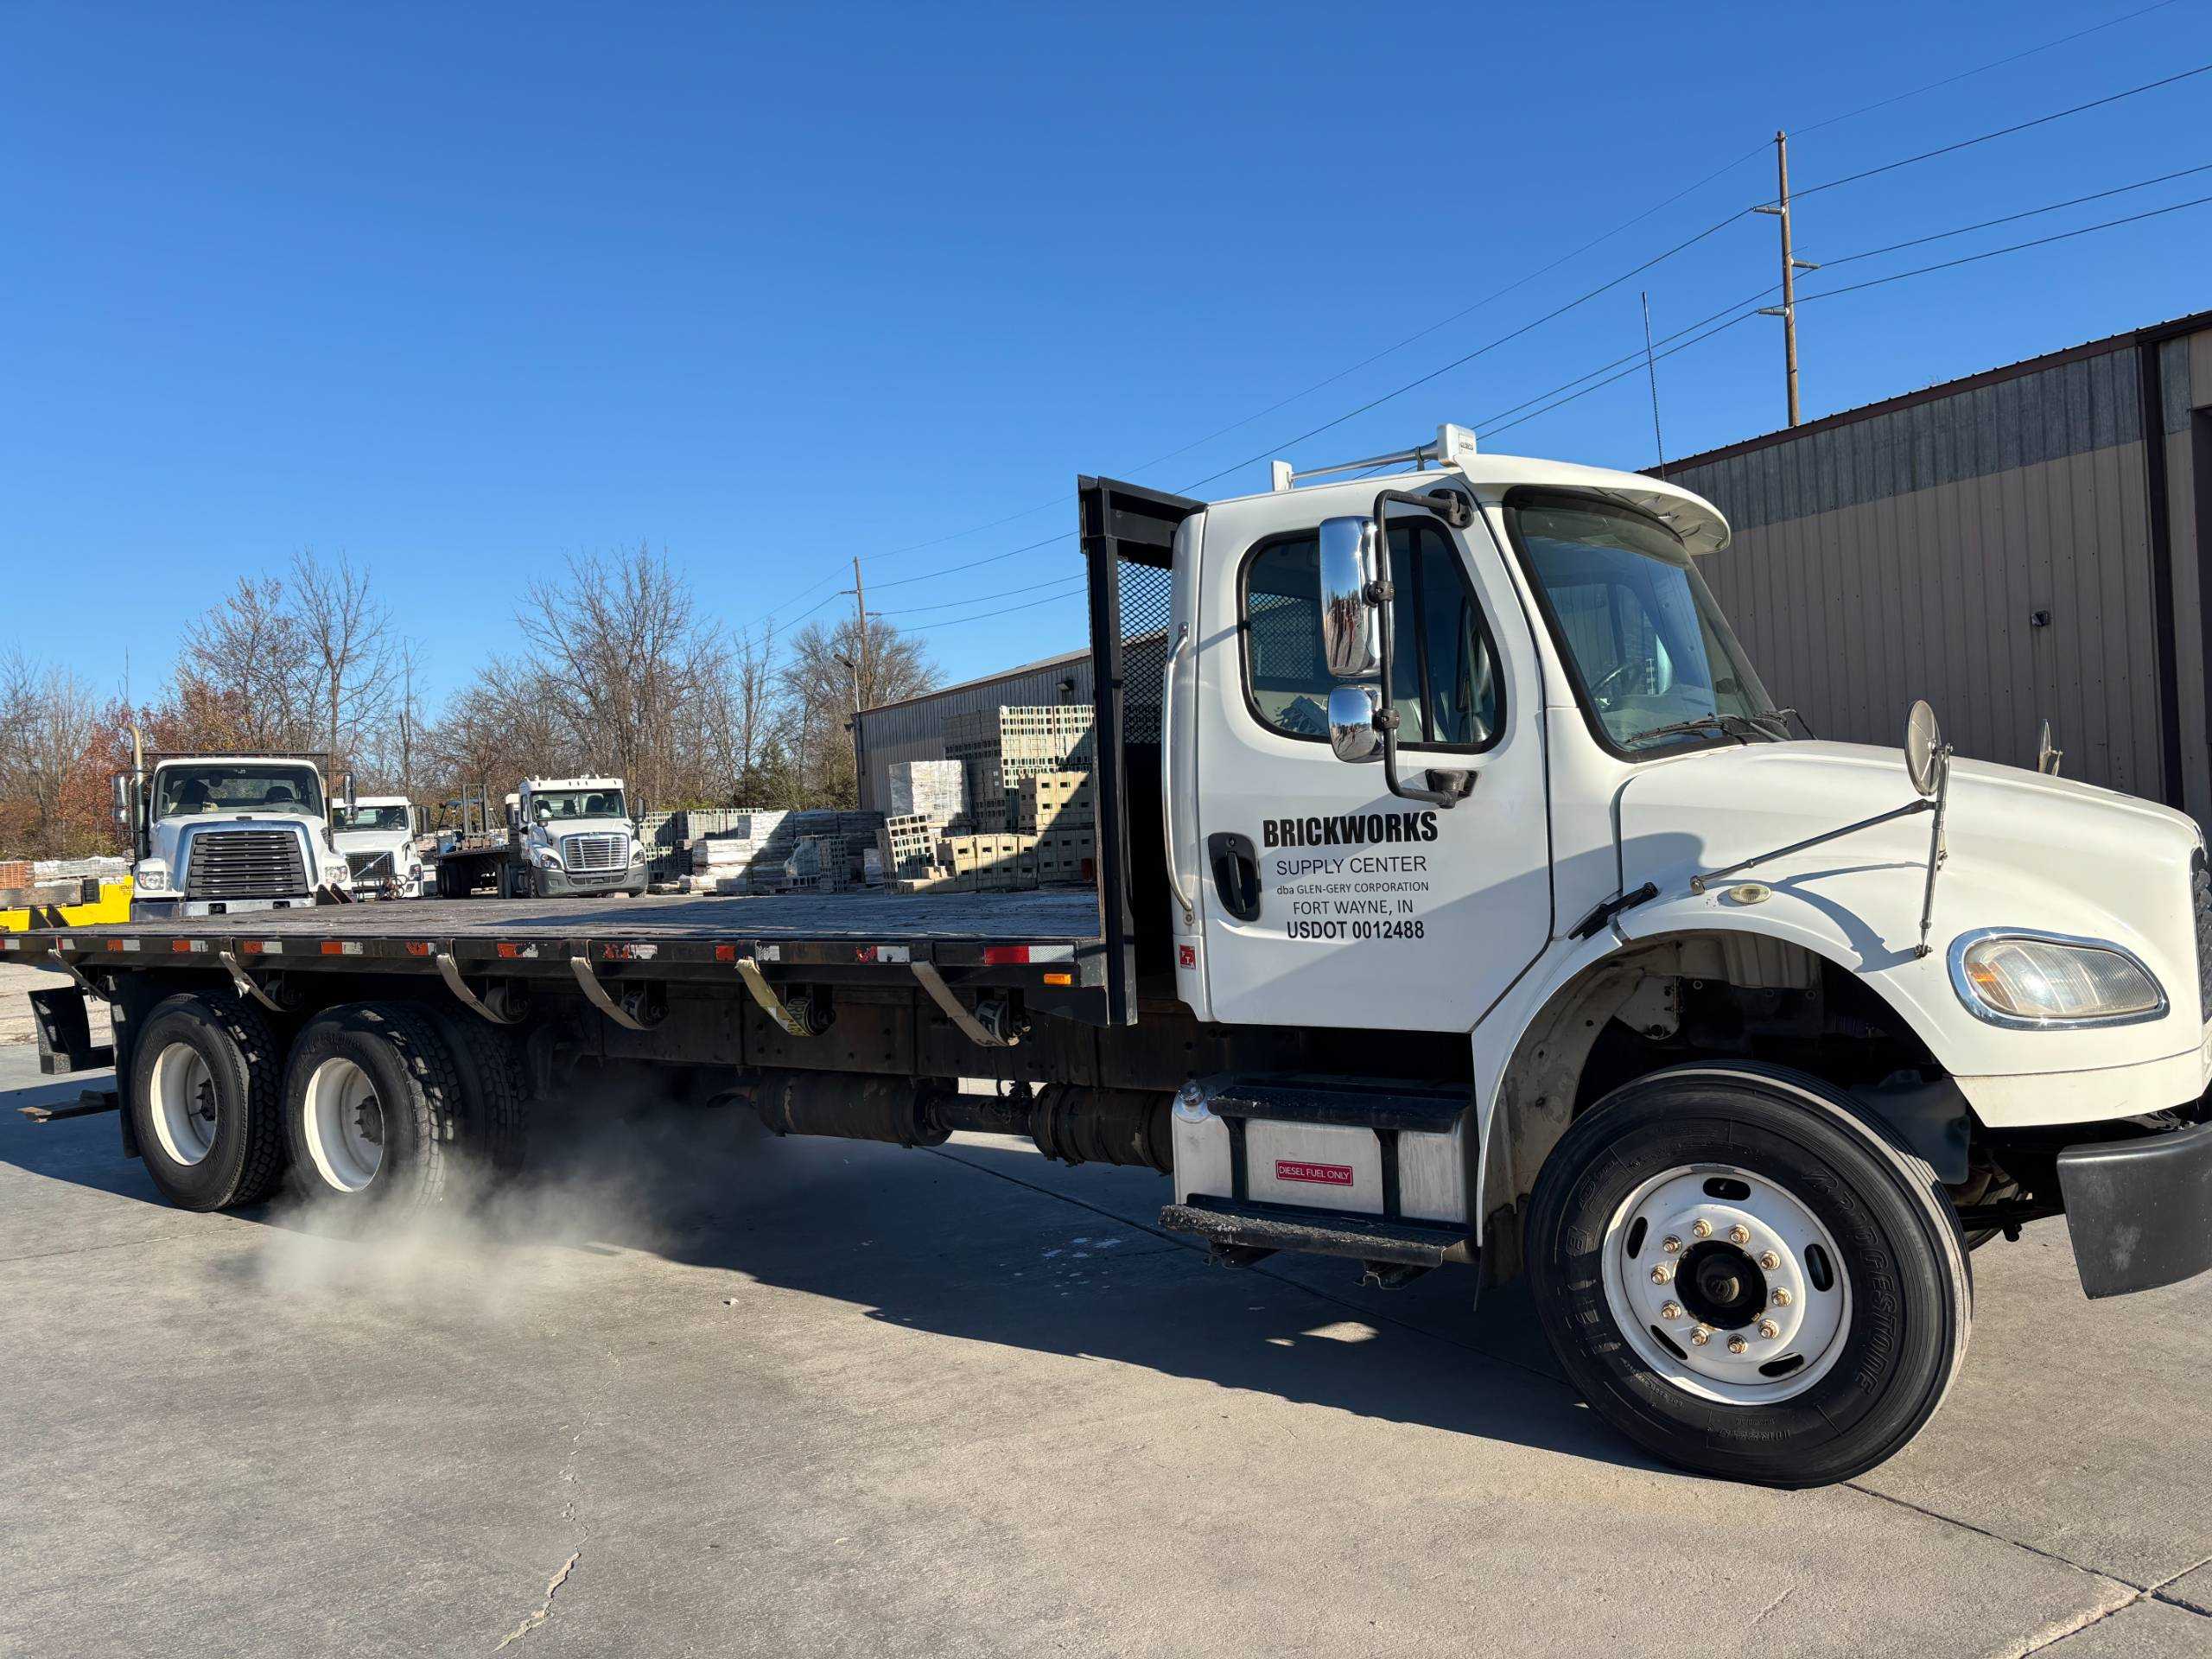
x=2007 y=218
x=946 y=605
x=1584 y=298
x=1458 y=362
x=1967 y=74
x=954 y=621
x=1635 y=359
x=2001 y=132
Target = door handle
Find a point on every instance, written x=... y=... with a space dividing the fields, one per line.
x=1236 y=874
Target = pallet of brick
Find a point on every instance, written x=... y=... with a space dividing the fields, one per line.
x=927 y=789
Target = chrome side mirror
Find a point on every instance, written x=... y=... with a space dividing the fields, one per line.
x=1352 y=733
x=349 y=793
x=120 y=786
x=1350 y=633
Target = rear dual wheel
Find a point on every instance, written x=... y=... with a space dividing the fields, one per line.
x=202 y=1096
x=394 y=1107
x=1746 y=1278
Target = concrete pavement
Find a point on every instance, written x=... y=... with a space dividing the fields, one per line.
x=695 y=1391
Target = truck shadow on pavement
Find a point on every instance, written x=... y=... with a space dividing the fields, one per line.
x=982 y=1241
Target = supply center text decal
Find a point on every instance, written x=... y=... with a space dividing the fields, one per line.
x=1357 y=876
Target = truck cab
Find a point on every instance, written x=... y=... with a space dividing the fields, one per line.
x=576 y=838
x=378 y=834
x=218 y=834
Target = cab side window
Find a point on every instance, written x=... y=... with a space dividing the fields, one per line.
x=1446 y=684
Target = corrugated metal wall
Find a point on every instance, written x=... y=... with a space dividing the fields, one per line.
x=915 y=730
x=1989 y=550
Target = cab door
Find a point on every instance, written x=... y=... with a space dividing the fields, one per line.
x=1324 y=899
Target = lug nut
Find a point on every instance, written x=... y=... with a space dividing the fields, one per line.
x=1737 y=1344
x=1702 y=1228
x=1670 y=1310
x=1739 y=1233
x=1670 y=1244
x=1768 y=1260
x=1700 y=1336
x=1782 y=1299
x=1661 y=1274
x=1769 y=1329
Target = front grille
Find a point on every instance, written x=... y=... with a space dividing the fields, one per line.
x=587 y=854
x=243 y=864
x=364 y=864
x=2200 y=892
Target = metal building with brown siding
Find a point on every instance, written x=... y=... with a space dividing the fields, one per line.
x=2007 y=546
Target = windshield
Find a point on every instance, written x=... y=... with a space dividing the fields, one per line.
x=558 y=805
x=368 y=817
x=1648 y=645
x=237 y=786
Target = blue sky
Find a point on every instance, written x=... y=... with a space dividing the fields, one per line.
x=461 y=291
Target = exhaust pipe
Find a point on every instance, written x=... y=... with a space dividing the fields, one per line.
x=1069 y=1124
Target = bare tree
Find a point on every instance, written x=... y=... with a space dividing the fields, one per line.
x=346 y=649
x=628 y=664
x=828 y=676
x=238 y=682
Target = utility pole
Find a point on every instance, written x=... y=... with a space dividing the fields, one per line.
x=1791 y=266
x=860 y=614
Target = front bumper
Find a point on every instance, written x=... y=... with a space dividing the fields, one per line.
x=2140 y=1210
x=162 y=910
x=560 y=884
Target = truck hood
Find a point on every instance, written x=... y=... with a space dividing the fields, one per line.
x=559 y=829
x=373 y=841
x=2023 y=852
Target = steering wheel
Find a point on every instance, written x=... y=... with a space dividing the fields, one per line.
x=1604 y=681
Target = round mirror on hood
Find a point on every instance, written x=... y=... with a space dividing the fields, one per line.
x=1924 y=746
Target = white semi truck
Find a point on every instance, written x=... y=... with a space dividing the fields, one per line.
x=379 y=835
x=215 y=834
x=562 y=838
x=1463 y=901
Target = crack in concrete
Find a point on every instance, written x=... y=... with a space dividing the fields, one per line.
x=544 y=1610
x=2136 y=1597
x=545 y=1607
x=1788 y=1593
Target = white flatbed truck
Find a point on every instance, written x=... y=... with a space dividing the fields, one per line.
x=1463 y=900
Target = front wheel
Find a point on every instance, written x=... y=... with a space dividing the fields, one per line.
x=1745 y=1278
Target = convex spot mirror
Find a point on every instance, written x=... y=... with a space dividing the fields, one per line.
x=1353 y=735
x=1349 y=629
x=1924 y=748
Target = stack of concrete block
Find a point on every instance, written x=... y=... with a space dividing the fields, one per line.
x=907 y=843
x=1058 y=809
x=1001 y=746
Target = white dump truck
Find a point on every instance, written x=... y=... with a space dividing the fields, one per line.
x=380 y=837
x=1463 y=901
x=215 y=834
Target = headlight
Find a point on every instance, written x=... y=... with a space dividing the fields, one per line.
x=152 y=873
x=546 y=856
x=2015 y=979
x=637 y=852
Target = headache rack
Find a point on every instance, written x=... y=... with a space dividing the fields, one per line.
x=1128 y=543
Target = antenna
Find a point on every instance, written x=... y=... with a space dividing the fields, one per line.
x=1651 y=368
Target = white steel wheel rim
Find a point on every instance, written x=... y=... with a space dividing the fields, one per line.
x=183 y=1090
x=1783 y=1259
x=343 y=1124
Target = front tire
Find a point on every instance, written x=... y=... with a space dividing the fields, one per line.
x=374 y=1110
x=1745 y=1278
x=204 y=1102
